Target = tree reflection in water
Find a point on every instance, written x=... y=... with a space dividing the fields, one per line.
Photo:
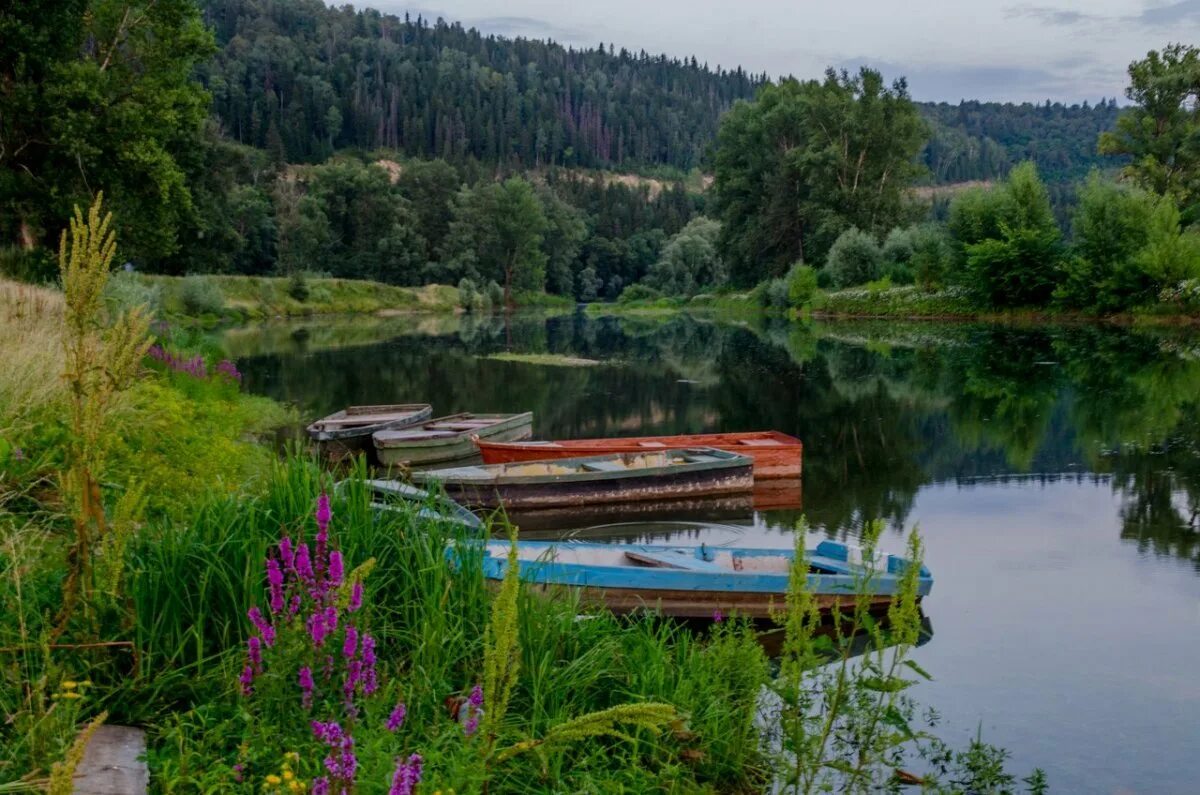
x=883 y=408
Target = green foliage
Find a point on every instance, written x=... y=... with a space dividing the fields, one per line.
x=126 y=291
x=588 y=284
x=638 y=292
x=1010 y=244
x=365 y=228
x=99 y=95
x=501 y=649
x=1110 y=227
x=199 y=295
x=562 y=242
x=1159 y=133
x=298 y=287
x=808 y=160
x=802 y=284
x=496 y=235
x=689 y=261
x=908 y=301
x=982 y=141
x=775 y=294
x=854 y=259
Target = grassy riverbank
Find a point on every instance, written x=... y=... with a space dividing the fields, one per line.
x=213 y=297
x=884 y=301
x=216 y=298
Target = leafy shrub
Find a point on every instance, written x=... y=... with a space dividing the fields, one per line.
x=199 y=295
x=468 y=294
x=802 y=284
x=495 y=294
x=690 y=260
x=126 y=291
x=776 y=294
x=298 y=286
x=638 y=292
x=854 y=259
x=588 y=284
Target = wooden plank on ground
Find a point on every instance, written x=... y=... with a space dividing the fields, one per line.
x=113 y=763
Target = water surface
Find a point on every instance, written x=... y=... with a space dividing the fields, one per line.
x=1054 y=472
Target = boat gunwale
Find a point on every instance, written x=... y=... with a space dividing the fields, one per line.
x=722 y=461
x=585 y=575
x=503 y=422
x=420 y=412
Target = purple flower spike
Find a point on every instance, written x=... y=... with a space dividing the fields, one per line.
x=306 y=687
x=396 y=719
x=336 y=568
x=275 y=582
x=324 y=514
x=718 y=617
x=287 y=553
x=368 y=660
x=320 y=786
x=304 y=563
x=265 y=629
x=254 y=652
x=407 y=776
x=474 y=709
x=356 y=597
x=350 y=645
x=247 y=680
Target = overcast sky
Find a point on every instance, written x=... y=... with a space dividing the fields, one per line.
x=1067 y=50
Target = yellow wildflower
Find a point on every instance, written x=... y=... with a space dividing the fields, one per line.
x=69 y=685
x=71 y=695
x=288 y=775
x=274 y=780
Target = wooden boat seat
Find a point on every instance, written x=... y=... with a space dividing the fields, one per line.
x=604 y=466
x=760 y=442
x=673 y=560
x=414 y=435
x=831 y=565
x=651 y=444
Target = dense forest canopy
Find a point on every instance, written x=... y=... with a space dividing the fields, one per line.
x=303 y=80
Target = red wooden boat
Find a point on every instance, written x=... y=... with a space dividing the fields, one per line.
x=775 y=454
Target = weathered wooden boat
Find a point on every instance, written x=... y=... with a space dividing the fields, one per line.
x=696 y=582
x=775 y=454
x=347 y=432
x=448 y=438
x=624 y=477
x=389 y=495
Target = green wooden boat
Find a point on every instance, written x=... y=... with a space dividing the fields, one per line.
x=593 y=480
x=448 y=438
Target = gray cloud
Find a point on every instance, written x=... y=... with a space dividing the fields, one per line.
x=1048 y=15
x=1154 y=16
x=1171 y=14
x=530 y=28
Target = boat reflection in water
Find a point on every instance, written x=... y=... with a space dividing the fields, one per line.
x=658 y=521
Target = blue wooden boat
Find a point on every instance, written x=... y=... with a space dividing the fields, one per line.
x=389 y=495
x=696 y=582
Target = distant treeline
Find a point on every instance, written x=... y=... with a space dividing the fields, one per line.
x=303 y=80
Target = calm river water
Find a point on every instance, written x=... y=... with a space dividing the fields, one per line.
x=1054 y=472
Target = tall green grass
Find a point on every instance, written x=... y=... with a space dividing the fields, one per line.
x=192 y=584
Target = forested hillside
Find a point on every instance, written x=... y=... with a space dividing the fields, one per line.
x=303 y=80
